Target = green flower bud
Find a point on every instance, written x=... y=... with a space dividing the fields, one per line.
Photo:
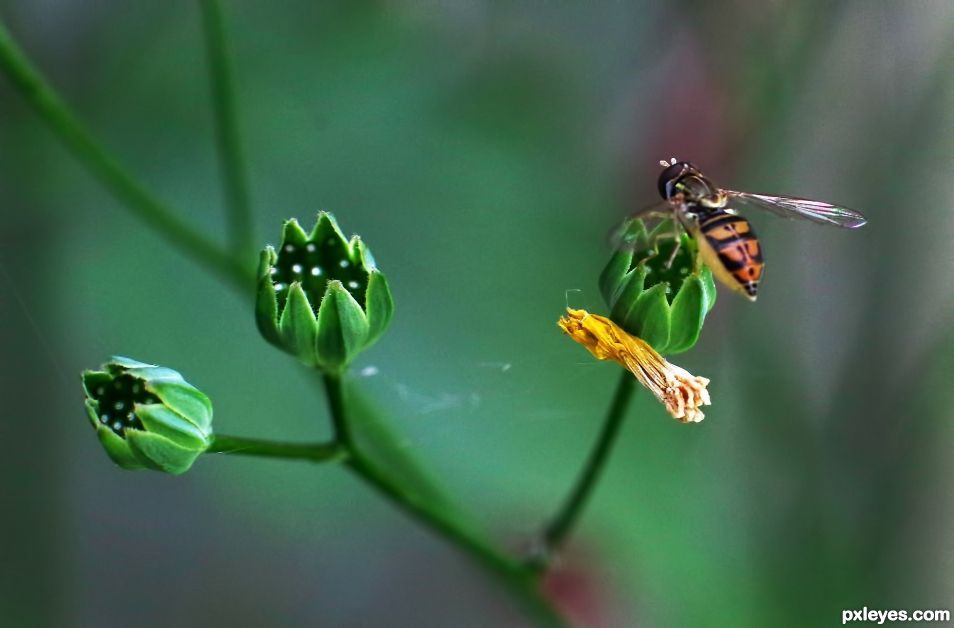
x=653 y=295
x=320 y=296
x=147 y=417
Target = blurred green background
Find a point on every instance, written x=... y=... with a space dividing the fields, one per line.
x=484 y=150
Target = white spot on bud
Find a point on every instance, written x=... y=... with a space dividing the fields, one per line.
x=311 y=248
x=353 y=284
x=683 y=271
x=343 y=263
x=279 y=287
x=296 y=268
x=100 y=390
x=289 y=248
x=130 y=416
x=136 y=388
x=119 y=405
x=104 y=418
x=117 y=425
x=316 y=271
x=273 y=271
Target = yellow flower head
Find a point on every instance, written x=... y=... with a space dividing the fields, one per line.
x=681 y=392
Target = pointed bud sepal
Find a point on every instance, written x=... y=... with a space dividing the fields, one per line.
x=320 y=296
x=654 y=294
x=146 y=416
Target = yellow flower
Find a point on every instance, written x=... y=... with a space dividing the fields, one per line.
x=681 y=392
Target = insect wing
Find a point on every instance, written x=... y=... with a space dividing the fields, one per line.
x=789 y=207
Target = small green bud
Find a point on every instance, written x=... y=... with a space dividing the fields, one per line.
x=146 y=416
x=320 y=296
x=654 y=295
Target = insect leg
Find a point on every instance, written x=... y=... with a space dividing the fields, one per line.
x=672 y=209
x=675 y=249
x=676 y=235
x=657 y=214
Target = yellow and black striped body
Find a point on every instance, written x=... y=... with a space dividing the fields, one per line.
x=727 y=243
x=730 y=248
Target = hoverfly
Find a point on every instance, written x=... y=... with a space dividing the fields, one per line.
x=727 y=243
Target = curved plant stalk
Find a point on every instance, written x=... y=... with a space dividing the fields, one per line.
x=561 y=525
x=516 y=579
x=127 y=190
x=240 y=446
x=231 y=155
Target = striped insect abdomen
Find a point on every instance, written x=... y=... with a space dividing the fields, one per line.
x=734 y=254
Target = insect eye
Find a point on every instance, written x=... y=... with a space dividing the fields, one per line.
x=669 y=175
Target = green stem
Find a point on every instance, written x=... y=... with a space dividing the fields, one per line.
x=237 y=445
x=516 y=580
x=514 y=577
x=234 y=178
x=335 y=391
x=54 y=112
x=562 y=523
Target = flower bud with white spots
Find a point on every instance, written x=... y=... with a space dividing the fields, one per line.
x=147 y=416
x=320 y=296
x=654 y=293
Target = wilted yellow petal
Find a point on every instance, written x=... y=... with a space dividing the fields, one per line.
x=681 y=392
